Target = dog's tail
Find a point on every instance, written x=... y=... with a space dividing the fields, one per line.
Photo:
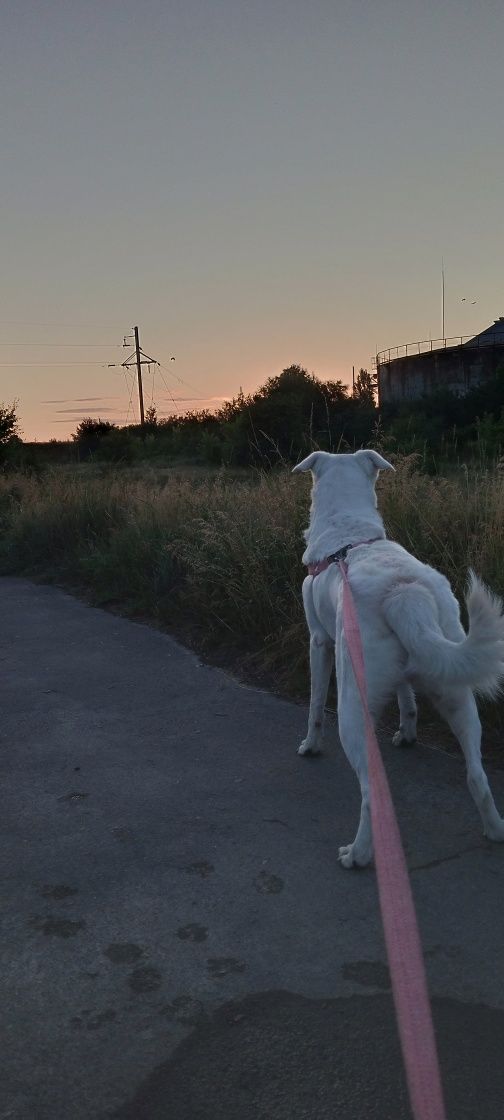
x=478 y=660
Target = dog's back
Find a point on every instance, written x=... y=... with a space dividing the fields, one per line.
x=419 y=607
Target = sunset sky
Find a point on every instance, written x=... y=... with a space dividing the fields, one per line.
x=253 y=184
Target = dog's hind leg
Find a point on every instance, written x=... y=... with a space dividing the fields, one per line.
x=458 y=708
x=321 y=662
x=408 y=716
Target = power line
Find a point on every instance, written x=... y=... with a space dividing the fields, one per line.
x=138 y=358
x=167 y=387
x=49 y=365
x=63 y=326
x=177 y=378
x=67 y=345
x=131 y=396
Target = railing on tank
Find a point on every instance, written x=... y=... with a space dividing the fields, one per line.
x=425 y=347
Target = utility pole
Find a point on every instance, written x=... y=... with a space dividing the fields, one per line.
x=139 y=373
x=139 y=359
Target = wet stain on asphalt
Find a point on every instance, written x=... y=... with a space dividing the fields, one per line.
x=266 y=883
x=451 y=951
x=286 y=1057
x=192 y=932
x=95 y=1021
x=447 y=859
x=222 y=966
x=57 y=927
x=123 y=834
x=371 y=974
x=184 y=1009
x=201 y=868
x=145 y=980
x=123 y=952
x=58 y=892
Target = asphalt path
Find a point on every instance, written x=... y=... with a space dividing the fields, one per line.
x=178 y=940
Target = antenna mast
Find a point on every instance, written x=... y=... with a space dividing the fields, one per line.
x=442 y=298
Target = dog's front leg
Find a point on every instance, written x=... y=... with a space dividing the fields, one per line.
x=352 y=736
x=321 y=660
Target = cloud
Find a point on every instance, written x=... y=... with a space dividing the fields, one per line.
x=81 y=400
x=79 y=411
x=115 y=420
x=178 y=400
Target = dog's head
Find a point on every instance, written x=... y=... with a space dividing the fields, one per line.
x=343 y=483
x=321 y=462
x=343 y=497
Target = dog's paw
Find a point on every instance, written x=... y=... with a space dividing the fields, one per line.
x=495 y=831
x=400 y=739
x=349 y=856
x=309 y=747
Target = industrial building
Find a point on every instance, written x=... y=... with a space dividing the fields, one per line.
x=418 y=369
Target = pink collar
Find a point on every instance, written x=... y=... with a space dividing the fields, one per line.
x=321 y=565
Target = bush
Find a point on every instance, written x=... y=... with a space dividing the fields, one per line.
x=119 y=446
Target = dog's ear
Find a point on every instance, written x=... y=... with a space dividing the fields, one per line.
x=371 y=462
x=310 y=463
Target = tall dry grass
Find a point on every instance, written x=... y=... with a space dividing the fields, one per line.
x=218 y=558
x=215 y=557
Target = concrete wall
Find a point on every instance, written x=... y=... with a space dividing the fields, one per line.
x=457 y=368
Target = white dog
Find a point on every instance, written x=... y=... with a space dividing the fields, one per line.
x=410 y=627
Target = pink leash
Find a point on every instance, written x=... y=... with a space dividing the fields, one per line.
x=402 y=939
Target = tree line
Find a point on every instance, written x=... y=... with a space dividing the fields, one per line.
x=283 y=420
